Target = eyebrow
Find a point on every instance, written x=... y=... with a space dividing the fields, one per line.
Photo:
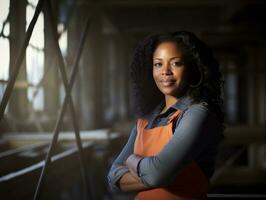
x=170 y=58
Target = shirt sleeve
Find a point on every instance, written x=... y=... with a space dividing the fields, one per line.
x=197 y=129
x=118 y=168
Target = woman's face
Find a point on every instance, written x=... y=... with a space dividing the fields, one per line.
x=169 y=71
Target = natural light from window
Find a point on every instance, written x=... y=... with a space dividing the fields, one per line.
x=35 y=58
x=4 y=42
x=4 y=46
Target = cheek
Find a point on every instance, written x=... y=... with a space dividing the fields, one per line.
x=155 y=74
x=156 y=78
x=180 y=73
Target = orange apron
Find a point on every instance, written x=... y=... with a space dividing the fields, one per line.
x=190 y=183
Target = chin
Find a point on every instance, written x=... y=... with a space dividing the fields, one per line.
x=175 y=93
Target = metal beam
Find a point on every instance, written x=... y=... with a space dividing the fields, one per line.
x=191 y=3
x=162 y=3
x=68 y=99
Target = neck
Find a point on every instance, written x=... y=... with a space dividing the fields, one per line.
x=170 y=100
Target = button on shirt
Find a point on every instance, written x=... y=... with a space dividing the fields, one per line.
x=196 y=135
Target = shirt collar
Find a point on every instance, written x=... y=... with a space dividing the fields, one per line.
x=182 y=104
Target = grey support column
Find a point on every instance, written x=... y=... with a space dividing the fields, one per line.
x=116 y=74
x=254 y=150
x=262 y=86
x=124 y=79
x=87 y=92
x=18 y=102
x=251 y=92
x=261 y=112
x=51 y=73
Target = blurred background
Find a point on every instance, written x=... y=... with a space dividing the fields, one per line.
x=98 y=39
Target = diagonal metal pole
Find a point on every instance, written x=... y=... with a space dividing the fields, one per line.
x=67 y=99
x=19 y=60
x=40 y=83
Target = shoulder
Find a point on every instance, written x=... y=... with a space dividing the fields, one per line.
x=200 y=111
x=199 y=121
x=202 y=108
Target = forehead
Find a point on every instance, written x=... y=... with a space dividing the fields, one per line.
x=167 y=49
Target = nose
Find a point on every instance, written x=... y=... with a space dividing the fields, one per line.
x=166 y=69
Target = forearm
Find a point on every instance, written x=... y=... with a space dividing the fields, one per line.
x=130 y=182
x=118 y=168
x=132 y=164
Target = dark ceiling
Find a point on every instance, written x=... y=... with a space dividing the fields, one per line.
x=236 y=21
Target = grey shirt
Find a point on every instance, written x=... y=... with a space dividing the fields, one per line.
x=197 y=133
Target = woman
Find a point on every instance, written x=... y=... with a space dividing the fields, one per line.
x=171 y=150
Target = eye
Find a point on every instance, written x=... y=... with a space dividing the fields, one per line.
x=177 y=63
x=157 y=64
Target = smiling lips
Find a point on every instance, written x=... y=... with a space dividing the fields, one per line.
x=167 y=83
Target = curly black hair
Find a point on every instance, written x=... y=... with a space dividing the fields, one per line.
x=205 y=85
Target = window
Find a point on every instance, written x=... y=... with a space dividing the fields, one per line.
x=64 y=11
x=63 y=48
x=35 y=58
x=4 y=45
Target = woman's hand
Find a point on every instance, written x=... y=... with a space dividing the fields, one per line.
x=130 y=181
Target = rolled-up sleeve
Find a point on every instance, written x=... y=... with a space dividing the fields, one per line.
x=197 y=128
x=118 y=168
